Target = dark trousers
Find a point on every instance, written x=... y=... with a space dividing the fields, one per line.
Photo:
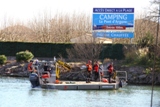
x=110 y=75
x=88 y=76
x=96 y=75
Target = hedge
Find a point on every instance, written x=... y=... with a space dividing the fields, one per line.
x=112 y=51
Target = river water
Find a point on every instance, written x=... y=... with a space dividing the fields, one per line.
x=17 y=92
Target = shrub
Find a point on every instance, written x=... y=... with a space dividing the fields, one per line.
x=130 y=57
x=143 y=60
x=137 y=58
x=24 y=56
x=3 y=59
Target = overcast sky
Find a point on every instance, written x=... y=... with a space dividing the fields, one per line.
x=28 y=9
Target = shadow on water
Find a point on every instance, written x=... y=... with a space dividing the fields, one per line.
x=44 y=92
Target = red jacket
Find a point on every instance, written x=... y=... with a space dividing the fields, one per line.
x=29 y=68
x=110 y=68
x=96 y=67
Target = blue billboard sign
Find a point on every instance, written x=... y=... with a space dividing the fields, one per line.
x=114 y=22
x=114 y=34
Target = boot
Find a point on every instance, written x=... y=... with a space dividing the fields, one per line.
x=87 y=80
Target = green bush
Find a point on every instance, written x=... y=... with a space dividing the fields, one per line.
x=24 y=56
x=3 y=59
x=130 y=57
x=143 y=60
x=135 y=58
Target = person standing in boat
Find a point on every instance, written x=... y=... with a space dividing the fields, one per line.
x=34 y=79
x=96 y=70
x=45 y=67
x=101 y=72
x=54 y=59
x=110 y=71
x=89 y=71
x=30 y=66
x=36 y=62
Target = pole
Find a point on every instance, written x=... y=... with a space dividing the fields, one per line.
x=131 y=41
x=155 y=53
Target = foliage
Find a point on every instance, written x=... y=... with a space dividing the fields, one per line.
x=143 y=60
x=146 y=41
x=143 y=54
x=24 y=56
x=86 y=51
x=111 y=51
x=135 y=55
x=130 y=57
x=3 y=59
x=59 y=28
x=135 y=58
x=148 y=70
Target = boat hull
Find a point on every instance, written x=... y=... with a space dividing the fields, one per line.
x=82 y=86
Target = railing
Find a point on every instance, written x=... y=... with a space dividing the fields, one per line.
x=120 y=74
x=122 y=77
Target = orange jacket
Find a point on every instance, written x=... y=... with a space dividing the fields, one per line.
x=29 y=68
x=89 y=67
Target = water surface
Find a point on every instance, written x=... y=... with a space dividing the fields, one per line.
x=17 y=92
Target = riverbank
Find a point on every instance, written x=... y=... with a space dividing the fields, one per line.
x=136 y=74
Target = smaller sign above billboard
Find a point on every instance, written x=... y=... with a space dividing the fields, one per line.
x=113 y=10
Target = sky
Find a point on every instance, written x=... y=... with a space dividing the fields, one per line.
x=28 y=9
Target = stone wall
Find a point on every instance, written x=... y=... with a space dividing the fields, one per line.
x=136 y=74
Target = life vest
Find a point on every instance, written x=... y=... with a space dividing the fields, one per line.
x=96 y=67
x=110 y=68
x=89 y=67
x=29 y=68
x=104 y=80
x=45 y=76
x=57 y=82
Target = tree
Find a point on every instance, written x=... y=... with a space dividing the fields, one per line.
x=65 y=27
x=154 y=15
x=14 y=31
x=61 y=27
x=146 y=49
x=85 y=51
x=41 y=28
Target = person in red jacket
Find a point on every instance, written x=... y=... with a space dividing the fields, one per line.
x=89 y=71
x=96 y=70
x=30 y=67
x=110 y=71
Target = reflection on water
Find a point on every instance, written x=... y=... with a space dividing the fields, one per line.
x=18 y=92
